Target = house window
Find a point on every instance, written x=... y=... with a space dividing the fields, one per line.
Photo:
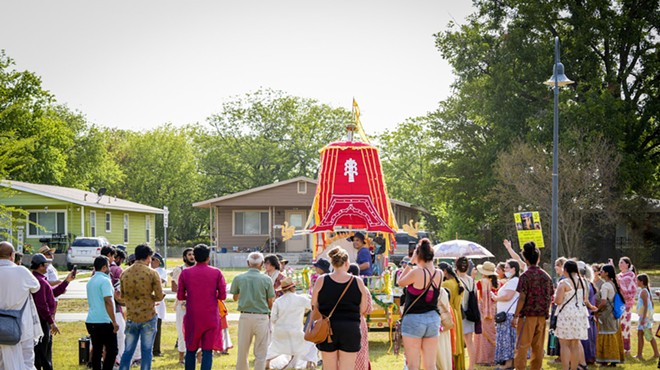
x=92 y=222
x=108 y=220
x=125 y=228
x=250 y=222
x=302 y=187
x=54 y=222
x=148 y=227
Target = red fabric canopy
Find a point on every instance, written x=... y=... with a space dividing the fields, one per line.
x=351 y=191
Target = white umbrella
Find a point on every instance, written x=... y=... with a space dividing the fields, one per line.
x=461 y=248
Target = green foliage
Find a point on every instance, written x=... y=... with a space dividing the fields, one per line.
x=46 y=143
x=407 y=155
x=161 y=170
x=501 y=56
x=264 y=137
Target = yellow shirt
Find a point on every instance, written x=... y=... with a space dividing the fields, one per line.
x=140 y=289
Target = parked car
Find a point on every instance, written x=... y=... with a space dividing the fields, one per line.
x=404 y=242
x=84 y=250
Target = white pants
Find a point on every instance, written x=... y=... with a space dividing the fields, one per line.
x=180 y=312
x=19 y=356
x=121 y=336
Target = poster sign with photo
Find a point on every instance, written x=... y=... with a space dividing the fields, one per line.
x=528 y=226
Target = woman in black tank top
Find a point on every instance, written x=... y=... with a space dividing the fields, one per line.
x=420 y=324
x=345 y=320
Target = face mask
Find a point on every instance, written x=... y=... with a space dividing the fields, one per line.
x=508 y=274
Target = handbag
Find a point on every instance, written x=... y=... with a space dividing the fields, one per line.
x=446 y=319
x=500 y=317
x=10 y=325
x=398 y=336
x=553 y=318
x=318 y=328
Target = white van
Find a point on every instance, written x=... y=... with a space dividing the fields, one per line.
x=83 y=251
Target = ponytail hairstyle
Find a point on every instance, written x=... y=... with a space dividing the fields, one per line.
x=645 y=280
x=609 y=270
x=629 y=263
x=424 y=250
x=449 y=272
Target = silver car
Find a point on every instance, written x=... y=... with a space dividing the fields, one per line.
x=84 y=250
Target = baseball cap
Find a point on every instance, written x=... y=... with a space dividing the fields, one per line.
x=323 y=264
x=39 y=258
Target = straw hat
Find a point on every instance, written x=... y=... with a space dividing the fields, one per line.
x=487 y=269
x=287 y=283
x=44 y=248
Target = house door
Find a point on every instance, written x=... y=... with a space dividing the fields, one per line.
x=296 y=218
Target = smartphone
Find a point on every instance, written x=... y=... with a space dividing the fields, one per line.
x=74 y=270
x=411 y=248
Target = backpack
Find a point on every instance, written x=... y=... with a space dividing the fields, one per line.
x=618 y=306
x=471 y=313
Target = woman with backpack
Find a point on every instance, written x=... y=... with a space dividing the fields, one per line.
x=609 y=343
x=470 y=306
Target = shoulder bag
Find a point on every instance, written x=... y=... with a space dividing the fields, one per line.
x=10 y=325
x=318 y=328
x=397 y=326
x=446 y=320
x=553 y=318
x=500 y=317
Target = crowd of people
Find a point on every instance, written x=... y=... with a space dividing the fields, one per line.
x=453 y=315
x=500 y=318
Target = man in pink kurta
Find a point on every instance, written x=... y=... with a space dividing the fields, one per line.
x=201 y=286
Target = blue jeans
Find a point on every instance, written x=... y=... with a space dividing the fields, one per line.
x=146 y=332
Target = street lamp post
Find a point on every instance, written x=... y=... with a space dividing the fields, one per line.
x=557 y=80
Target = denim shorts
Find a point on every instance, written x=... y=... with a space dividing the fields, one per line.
x=421 y=325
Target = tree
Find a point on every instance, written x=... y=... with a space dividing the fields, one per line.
x=588 y=175
x=407 y=154
x=50 y=143
x=501 y=55
x=264 y=137
x=161 y=170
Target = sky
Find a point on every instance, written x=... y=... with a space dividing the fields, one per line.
x=139 y=64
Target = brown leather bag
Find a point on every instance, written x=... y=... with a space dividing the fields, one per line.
x=318 y=328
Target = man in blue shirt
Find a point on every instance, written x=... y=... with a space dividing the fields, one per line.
x=101 y=323
x=363 y=255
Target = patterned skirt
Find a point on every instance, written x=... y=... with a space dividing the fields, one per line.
x=505 y=340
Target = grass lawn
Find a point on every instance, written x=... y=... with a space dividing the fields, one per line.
x=65 y=351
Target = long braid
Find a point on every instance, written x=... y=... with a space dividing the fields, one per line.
x=450 y=271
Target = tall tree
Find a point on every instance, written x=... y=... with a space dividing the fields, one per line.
x=266 y=136
x=407 y=154
x=161 y=170
x=586 y=194
x=501 y=56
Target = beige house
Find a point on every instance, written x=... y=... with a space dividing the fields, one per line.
x=252 y=218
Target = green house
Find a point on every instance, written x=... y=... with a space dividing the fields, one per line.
x=66 y=213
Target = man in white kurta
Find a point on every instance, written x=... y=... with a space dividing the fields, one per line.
x=288 y=337
x=17 y=285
